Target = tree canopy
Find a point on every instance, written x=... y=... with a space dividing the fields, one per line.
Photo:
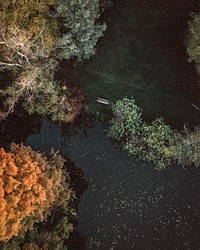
x=34 y=37
x=193 y=42
x=29 y=185
x=32 y=16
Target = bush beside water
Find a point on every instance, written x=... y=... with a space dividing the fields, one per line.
x=187 y=147
x=155 y=142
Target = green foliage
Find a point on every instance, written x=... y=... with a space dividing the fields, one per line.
x=81 y=20
x=60 y=103
x=34 y=35
x=127 y=120
x=187 y=148
x=31 y=15
x=193 y=43
x=150 y=142
x=158 y=140
x=155 y=142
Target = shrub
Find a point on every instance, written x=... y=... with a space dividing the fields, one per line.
x=126 y=123
x=30 y=184
x=42 y=238
x=155 y=144
x=152 y=142
x=158 y=139
x=62 y=104
x=187 y=148
x=193 y=47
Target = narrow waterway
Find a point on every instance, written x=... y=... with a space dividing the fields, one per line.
x=128 y=204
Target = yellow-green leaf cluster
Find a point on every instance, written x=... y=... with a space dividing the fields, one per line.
x=30 y=15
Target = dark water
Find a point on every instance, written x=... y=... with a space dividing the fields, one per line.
x=128 y=204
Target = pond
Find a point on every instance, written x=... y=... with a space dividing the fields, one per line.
x=128 y=204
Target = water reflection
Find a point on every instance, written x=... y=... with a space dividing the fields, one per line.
x=80 y=126
x=79 y=184
x=18 y=126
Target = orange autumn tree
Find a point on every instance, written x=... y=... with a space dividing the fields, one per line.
x=30 y=184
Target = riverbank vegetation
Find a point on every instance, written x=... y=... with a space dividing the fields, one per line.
x=193 y=40
x=155 y=142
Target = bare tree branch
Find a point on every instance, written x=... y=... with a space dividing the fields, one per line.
x=10 y=64
x=23 y=86
x=195 y=106
x=19 y=49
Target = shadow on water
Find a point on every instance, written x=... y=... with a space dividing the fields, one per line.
x=77 y=177
x=79 y=126
x=79 y=185
x=18 y=126
x=54 y=132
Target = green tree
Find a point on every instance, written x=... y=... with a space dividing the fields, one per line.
x=30 y=15
x=82 y=25
x=34 y=36
x=193 y=41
